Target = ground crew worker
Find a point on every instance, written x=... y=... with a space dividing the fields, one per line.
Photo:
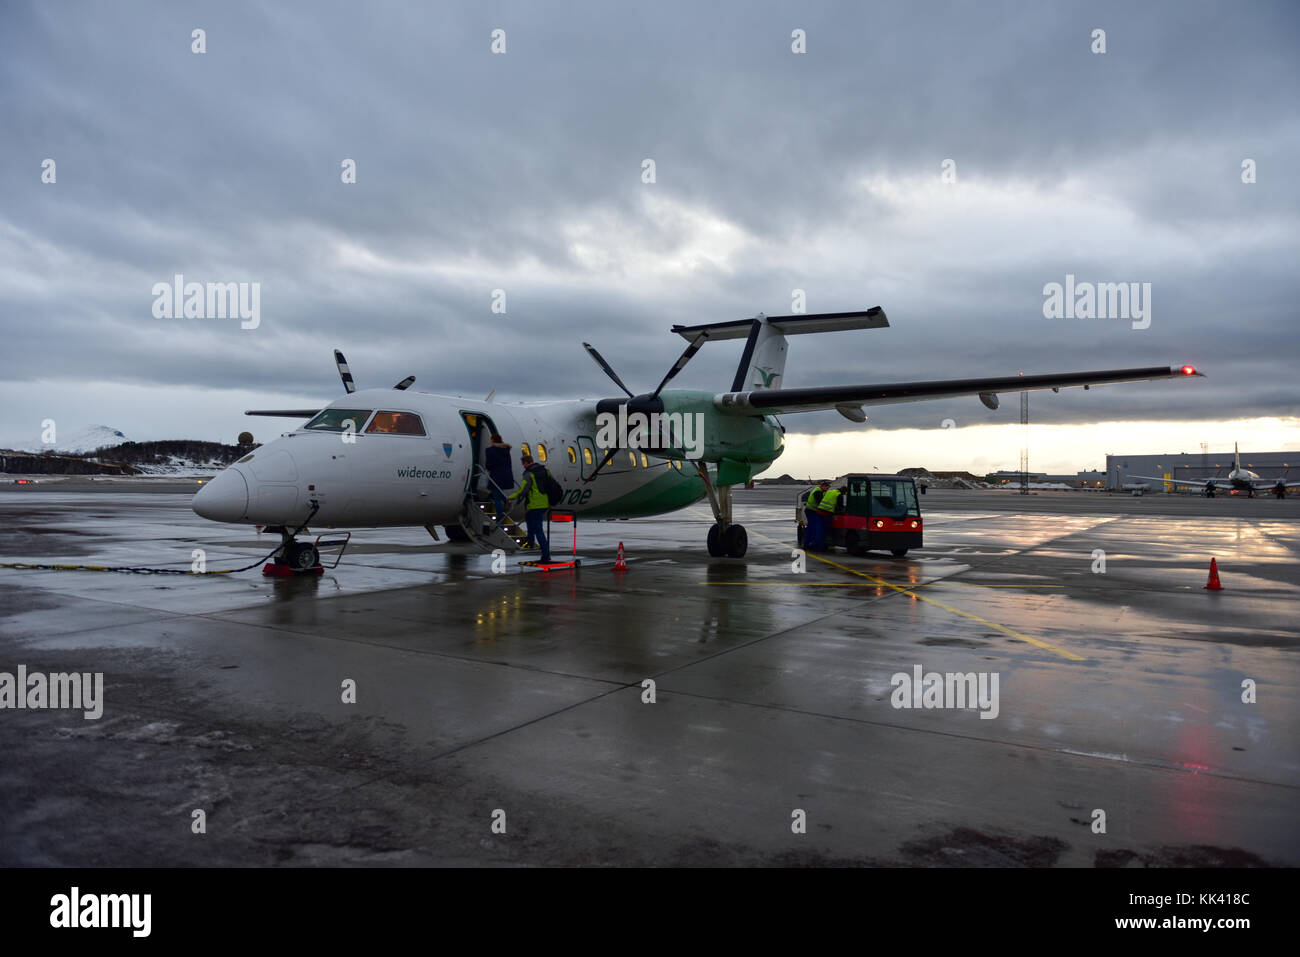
x=818 y=522
x=537 y=505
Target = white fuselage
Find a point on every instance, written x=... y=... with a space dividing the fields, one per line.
x=369 y=478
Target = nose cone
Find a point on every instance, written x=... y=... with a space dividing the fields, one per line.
x=224 y=499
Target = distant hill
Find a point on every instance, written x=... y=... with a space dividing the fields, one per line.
x=180 y=457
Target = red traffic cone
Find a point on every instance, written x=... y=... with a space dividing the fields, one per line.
x=621 y=564
x=1214 y=584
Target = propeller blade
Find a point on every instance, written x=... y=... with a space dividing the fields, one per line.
x=405 y=383
x=696 y=345
x=605 y=365
x=609 y=457
x=344 y=373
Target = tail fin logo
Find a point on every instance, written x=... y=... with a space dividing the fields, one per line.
x=767 y=375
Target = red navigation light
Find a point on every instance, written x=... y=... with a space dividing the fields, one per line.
x=1188 y=370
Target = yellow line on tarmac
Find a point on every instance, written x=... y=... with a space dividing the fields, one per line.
x=956 y=611
x=870 y=585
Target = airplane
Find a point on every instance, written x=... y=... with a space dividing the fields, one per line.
x=396 y=457
x=1239 y=479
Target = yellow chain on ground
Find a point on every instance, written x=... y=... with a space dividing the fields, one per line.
x=111 y=568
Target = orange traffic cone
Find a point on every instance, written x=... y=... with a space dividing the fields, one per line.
x=1214 y=584
x=621 y=564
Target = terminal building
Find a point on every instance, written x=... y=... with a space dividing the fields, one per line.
x=1198 y=466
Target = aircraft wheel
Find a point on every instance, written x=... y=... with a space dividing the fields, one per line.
x=714 y=541
x=455 y=533
x=735 y=541
x=300 y=556
x=898 y=552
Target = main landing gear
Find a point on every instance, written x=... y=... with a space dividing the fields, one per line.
x=726 y=540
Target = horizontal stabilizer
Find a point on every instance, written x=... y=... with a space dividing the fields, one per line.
x=873 y=318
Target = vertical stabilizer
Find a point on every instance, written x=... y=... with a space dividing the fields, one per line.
x=762 y=364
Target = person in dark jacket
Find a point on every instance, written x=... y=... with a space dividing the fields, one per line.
x=500 y=476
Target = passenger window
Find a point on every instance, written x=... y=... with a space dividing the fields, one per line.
x=523 y=450
x=396 y=423
x=541 y=452
x=645 y=462
x=573 y=456
x=586 y=455
x=335 y=420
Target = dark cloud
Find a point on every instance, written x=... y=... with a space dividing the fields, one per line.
x=775 y=172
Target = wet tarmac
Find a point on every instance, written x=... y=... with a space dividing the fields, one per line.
x=1120 y=735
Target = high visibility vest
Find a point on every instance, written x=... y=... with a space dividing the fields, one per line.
x=536 y=497
x=827 y=504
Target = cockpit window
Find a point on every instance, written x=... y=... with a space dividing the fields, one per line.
x=396 y=423
x=336 y=420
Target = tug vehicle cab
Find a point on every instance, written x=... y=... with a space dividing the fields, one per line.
x=875 y=513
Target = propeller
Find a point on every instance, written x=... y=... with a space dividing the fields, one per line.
x=649 y=402
x=638 y=403
x=609 y=371
x=346 y=375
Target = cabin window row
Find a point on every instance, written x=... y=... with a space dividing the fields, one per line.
x=587 y=457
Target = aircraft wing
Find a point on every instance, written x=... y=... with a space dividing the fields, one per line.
x=1194 y=483
x=850 y=398
x=1261 y=486
x=285 y=413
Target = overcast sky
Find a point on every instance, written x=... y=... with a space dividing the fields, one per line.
x=522 y=171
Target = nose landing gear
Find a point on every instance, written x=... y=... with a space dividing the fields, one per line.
x=294 y=557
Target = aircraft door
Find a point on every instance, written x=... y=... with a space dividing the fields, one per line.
x=481 y=428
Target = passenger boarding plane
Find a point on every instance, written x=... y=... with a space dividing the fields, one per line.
x=393 y=457
x=1238 y=479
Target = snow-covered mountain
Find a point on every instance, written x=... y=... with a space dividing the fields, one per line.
x=84 y=439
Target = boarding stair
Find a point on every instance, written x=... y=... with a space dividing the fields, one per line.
x=478 y=519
